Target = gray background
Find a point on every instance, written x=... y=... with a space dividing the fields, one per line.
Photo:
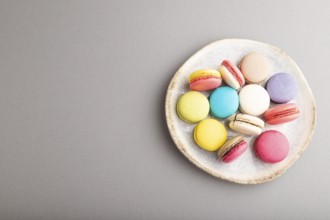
x=82 y=126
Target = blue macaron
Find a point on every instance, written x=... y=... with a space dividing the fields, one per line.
x=224 y=102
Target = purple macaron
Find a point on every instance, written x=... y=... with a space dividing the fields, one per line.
x=282 y=87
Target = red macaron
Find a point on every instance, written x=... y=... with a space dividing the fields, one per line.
x=281 y=114
x=271 y=146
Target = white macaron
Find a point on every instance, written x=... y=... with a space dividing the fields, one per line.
x=253 y=99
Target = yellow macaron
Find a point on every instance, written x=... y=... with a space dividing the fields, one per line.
x=192 y=107
x=210 y=134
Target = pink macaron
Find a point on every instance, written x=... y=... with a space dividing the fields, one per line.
x=281 y=114
x=231 y=74
x=232 y=149
x=271 y=146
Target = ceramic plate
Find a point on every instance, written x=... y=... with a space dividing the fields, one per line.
x=247 y=169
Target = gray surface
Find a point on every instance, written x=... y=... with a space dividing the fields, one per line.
x=82 y=128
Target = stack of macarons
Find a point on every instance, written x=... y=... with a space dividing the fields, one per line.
x=236 y=97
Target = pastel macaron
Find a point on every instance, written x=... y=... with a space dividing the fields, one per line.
x=282 y=87
x=255 y=67
x=246 y=124
x=205 y=79
x=231 y=74
x=210 y=134
x=192 y=107
x=232 y=149
x=223 y=102
x=271 y=146
x=253 y=100
x=281 y=114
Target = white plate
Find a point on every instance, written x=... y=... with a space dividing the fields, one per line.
x=247 y=169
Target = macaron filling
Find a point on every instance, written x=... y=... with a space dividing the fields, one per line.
x=244 y=120
x=203 y=77
x=284 y=113
x=237 y=76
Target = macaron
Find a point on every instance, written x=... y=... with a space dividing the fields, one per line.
x=231 y=74
x=192 y=107
x=246 y=124
x=232 y=149
x=281 y=114
x=253 y=99
x=205 y=79
x=210 y=134
x=255 y=67
x=223 y=102
x=282 y=87
x=271 y=146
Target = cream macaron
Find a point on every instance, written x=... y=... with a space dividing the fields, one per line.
x=255 y=67
x=246 y=124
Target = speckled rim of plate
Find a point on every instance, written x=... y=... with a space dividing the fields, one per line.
x=170 y=113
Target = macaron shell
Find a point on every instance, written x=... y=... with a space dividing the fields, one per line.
x=235 y=152
x=230 y=143
x=223 y=102
x=281 y=114
x=204 y=72
x=210 y=134
x=193 y=107
x=282 y=87
x=204 y=84
x=254 y=100
x=255 y=67
x=245 y=128
x=271 y=146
